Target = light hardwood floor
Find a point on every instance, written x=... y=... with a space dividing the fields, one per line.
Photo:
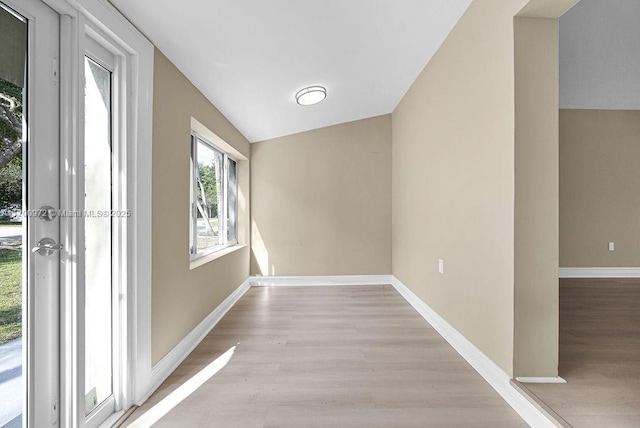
x=599 y=354
x=331 y=357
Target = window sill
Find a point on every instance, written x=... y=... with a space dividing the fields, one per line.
x=202 y=260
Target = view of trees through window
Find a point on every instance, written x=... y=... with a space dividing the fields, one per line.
x=11 y=148
x=209 y=183
x=213 y=197
x=13 y=62
x=10 y=211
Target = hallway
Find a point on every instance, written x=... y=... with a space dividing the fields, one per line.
x=343 y=356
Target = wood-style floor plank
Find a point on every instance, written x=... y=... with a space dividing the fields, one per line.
x=330 y=357
x=599 y=354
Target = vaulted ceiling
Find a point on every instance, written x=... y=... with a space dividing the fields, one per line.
x=250 y=57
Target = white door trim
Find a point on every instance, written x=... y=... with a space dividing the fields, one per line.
x=137 y=53
x=69 y=105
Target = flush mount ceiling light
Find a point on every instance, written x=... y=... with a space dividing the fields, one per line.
x=311 y=95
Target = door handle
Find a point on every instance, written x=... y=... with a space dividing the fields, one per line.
x=46 y=247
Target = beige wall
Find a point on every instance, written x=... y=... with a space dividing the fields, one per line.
x=599 y=188
x=453 y=180
x=462 y=182
x=321 y=201
x=181 y=297
x=536 y=198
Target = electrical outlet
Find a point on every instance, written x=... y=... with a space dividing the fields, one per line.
x=441 y=266
x=612 y=246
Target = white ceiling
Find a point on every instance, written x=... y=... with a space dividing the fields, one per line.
x=250 y=57
x=599 y=55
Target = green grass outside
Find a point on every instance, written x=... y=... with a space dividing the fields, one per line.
x=214 y=221
x=10 y=295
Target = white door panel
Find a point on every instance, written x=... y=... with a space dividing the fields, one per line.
x=41 y=188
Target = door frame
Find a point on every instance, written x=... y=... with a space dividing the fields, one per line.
x=100 y=21
x=40 y=356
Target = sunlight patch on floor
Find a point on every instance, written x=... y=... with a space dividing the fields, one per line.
x=154 y=414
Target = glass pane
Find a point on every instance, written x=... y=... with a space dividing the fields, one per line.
x=98 y=258
x=208 y=196
x=192 y=226
x=232 y=200
x=12 y=71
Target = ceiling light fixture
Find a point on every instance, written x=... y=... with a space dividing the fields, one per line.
x=311 y=95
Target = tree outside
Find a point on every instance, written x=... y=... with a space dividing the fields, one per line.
x=10 y=205
x=208 y=228
x=10 y=122
x=210 y=185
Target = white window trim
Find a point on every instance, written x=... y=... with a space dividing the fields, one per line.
x=139 y=53
x=200 y=257
x=216 y=255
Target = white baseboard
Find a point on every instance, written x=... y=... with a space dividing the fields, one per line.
x=274 y=281
x=553 y=379
x=494 y=375
x=599 y=272
x=161 y=371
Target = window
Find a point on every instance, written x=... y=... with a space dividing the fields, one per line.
x=214 y=190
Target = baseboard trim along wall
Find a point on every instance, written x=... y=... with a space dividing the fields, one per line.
x=599 y=272
x=555 y=379
x=275 y=281
x=494 y=375
x=167 y=365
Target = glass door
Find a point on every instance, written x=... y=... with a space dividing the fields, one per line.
x=30 y=255
x=64 y=221
x=100 y=341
